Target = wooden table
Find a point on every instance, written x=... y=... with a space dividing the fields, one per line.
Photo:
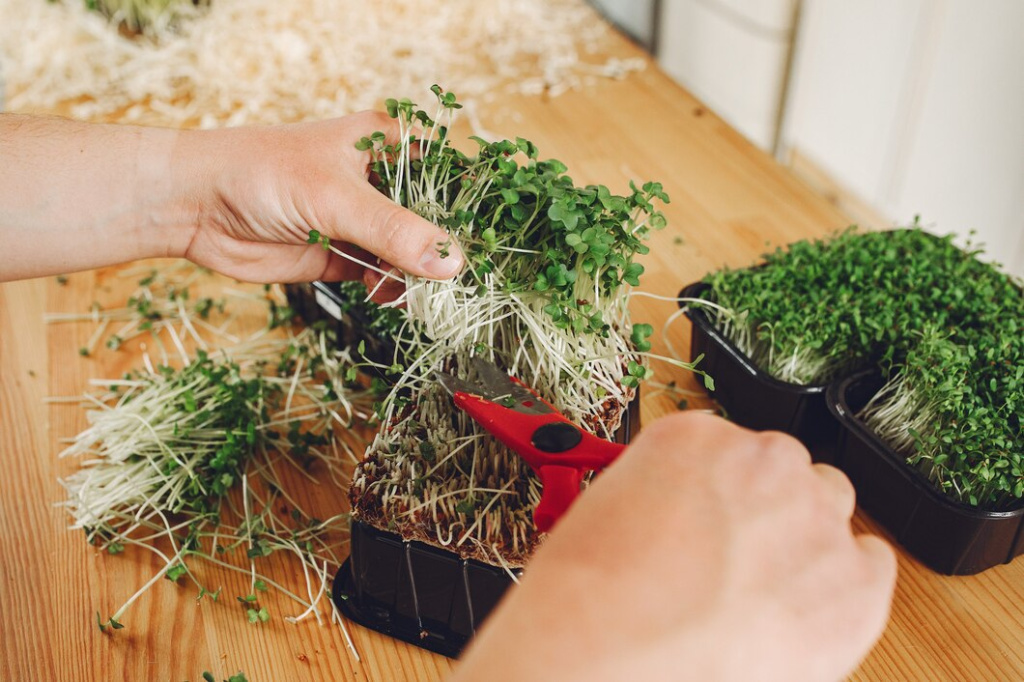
x=729 y=203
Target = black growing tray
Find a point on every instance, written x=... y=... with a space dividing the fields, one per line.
x=323 y=302
x=750 y=396
x=947 y=536
x=421 y=594
x=319 y=301
x=415 y=592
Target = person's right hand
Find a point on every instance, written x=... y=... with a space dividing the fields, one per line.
x=706 y=552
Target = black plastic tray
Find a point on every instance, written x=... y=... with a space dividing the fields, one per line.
x=948 y=536
x=421 y=594
x=322 y=302
x=416 y=592
x=753 y=398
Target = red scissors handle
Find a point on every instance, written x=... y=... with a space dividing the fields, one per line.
x=561 y=485
x=558 y=451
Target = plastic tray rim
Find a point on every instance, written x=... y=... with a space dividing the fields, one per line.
x=699 y=317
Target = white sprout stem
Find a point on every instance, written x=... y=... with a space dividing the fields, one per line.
x=142 y=590
x=238 y=569
x=366 y=265
x=90 y=345
x=339 y=619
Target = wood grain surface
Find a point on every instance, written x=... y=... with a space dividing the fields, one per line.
x=730 y=202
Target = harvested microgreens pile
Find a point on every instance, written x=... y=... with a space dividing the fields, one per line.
x=230 y=62
x=208 y=455
x=544 y=295
x=942 y=326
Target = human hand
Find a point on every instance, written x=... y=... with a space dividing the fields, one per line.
x=706 y=552
x=269 y=186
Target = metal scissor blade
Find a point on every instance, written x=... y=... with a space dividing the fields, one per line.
x=496 y=382
x=454 y=385
x=495 y=385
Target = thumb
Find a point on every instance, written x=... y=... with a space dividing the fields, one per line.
x=398 y=236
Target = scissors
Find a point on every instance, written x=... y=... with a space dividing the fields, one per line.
x=558 y=451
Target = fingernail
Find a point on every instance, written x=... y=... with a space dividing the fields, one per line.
x=440 y=266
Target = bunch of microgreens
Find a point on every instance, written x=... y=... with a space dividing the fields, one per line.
x=942 y=325
x=195 y=463
x=544 y=295
x=820 y=308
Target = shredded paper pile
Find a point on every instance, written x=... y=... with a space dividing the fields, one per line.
x=269 y=61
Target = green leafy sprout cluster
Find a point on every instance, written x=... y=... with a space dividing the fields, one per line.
x=942 y=325
x=954 y=405
x=519 y=216
x=544 y=295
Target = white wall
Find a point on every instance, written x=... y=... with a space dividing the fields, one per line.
x=910 y=106
x=850 y=88
x=917 y=107
x=963 y=163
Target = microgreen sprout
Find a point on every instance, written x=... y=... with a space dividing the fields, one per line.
x=819 y=309
x=237 y=677
x=954 y=408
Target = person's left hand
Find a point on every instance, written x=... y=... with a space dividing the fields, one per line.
x=269 y=186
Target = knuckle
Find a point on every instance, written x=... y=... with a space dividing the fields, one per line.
x=782 y=448
x=664 y=439
x=880 y=556
x=397 y=244
x=370 y=117
x=372 y=121
x=835 y=478
x=681 y=427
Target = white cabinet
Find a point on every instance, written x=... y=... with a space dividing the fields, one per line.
x=917 y=107
x=732 y=55
x=854 y=87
